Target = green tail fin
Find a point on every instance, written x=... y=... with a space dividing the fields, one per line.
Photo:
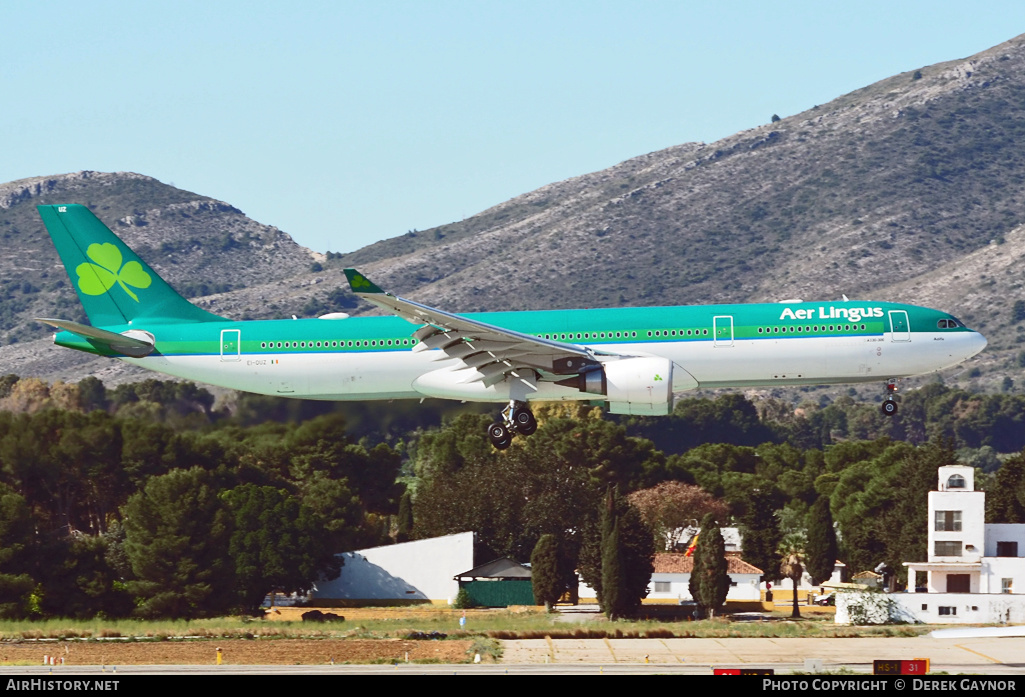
x=114 y=285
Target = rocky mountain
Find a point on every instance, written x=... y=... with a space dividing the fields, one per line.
x=201 y=245
x=911 y=189
x=891 y=183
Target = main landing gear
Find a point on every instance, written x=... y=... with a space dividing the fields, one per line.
x=889 y=405
x=516 y=418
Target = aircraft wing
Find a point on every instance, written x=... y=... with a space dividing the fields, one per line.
x=490 y=352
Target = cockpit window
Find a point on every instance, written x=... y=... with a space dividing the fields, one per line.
x=948 y=323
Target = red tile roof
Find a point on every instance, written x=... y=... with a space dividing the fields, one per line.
x=680 y=564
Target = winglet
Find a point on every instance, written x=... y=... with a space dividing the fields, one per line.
x=360 y=283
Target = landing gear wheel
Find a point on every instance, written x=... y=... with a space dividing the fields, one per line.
x=499 y=436
x=889 y=405
x=524 y=421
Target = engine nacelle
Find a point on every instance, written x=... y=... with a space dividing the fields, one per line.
x=642 y=386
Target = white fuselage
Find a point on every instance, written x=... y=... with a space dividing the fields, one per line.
x=400 y=374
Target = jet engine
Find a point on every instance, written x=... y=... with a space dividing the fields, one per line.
x=642 y=386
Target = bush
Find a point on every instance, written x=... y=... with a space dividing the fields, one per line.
x=463 y=600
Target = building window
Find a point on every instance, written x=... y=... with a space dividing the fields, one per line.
x=663 y=587
x=947 y=610
x=1007 y=549
x=948 y=521
x=946 y=548
x=956 y=481
x=924 y=607
x=1007 y=585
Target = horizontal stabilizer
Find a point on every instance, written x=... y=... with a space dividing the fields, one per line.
x=127 y=345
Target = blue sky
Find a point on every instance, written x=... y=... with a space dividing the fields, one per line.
x=343 y=123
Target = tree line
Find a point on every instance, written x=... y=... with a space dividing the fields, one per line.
x=126 y=515
x=145 y=500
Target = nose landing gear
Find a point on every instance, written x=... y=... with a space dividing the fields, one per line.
x=516 y=418
x=889 y=405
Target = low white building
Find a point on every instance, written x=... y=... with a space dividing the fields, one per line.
x=415 y=571
x=671 y=579
x=975 y=572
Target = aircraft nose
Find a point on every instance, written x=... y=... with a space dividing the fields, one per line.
x=977 y=343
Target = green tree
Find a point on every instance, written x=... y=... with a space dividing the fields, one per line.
x=545 y=575
x=550 y=483
x=636 y=553
x=92 y=394
x=177 y=531
x=759 y=528
x=710 y=577
x=7 y=382
x=78 y=581
x=16 y=534
x=1005 y=502
x=821 y=547
x=612 y=599
x=405 y=517
x=862 y=502
x=276 y=544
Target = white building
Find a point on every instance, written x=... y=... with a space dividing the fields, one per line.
x=671 y=579
x=404 y=573
x=965 y=554
x=975 y=572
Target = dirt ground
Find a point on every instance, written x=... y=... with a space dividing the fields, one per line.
x=235 y=651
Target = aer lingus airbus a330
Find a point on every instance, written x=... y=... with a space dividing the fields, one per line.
x=631 y=358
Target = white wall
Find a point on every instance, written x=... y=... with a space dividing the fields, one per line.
x=972 y=505
x=420 y=570
x=976 y=608
x=746 y=588
x=996 y=568
x=1005 y=532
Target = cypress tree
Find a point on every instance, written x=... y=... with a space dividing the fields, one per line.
x=821 y=547
x=544 y=572
x=712 y=580
x=612 y=573
x=405 y=518
x=592 y=556
x=621 y=529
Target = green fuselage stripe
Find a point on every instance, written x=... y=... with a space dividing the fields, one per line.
x=590 y=327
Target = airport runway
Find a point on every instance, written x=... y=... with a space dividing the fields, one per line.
x=990 y=656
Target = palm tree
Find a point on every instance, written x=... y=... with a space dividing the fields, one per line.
x=791 y=551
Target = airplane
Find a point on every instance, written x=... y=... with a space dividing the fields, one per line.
x=632 y=359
